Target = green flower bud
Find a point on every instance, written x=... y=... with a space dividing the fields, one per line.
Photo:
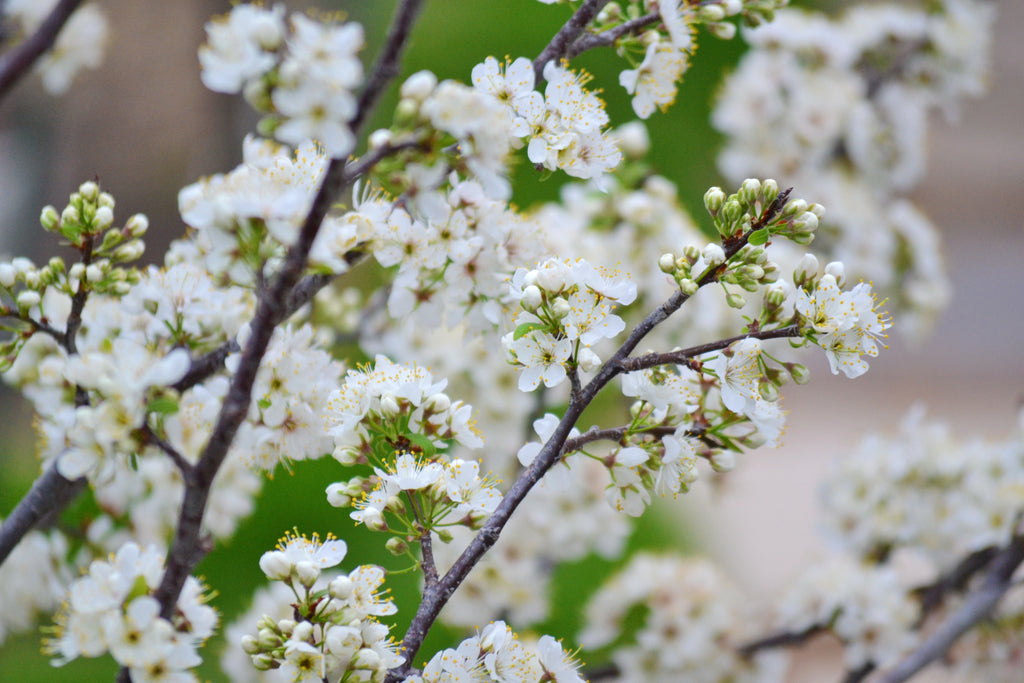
x=49 y=218
x=749 y=190
x=714 y=198
x=106 y=200
x=722 y=30
x=735 y=300
x=667 y=263
x=136 y=226
x=799 y=373
x=396 y=546
x=769 y=191
x=89 y=191
x=709 y=13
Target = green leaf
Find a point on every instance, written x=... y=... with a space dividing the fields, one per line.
x=758 y=237
x=425 y=444
x=527 y=328
x=163 y=406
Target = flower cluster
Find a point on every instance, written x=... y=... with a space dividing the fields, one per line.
x=396 y=418
x=33 y=581
x=846 y=325
x=865 y=606
x=111 y=609
x=564 y=127
x=497 y=654
x=330 y=633
x=302 y=78
x=839 y=107
x=567 y=307
x=79 y=45
x=924 y=490
x=695 y=622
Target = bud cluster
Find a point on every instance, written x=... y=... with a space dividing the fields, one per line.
x=87 y=223
x=331 y=632
x=758 y=211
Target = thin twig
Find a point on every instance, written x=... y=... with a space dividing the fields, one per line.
x=652 y=360
x=606 y=38
x=16 y=63
x=784 y=639
x=976 y=607
x=184 y=466
x=560 y=44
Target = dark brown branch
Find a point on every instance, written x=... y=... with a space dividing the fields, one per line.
x=183 y=465
x=784 y=639
x=50 y=494
x=606 y=38
x=653 y=360
x=563 y=40
x=427 y=559
x=932 y=596
x=976 y=607
x=271 y=310
x=16 y=63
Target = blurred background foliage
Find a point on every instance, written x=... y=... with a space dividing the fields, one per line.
x=144 y=161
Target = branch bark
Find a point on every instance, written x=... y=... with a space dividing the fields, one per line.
x=17 y=62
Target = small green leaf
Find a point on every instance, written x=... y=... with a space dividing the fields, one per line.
x=163 y=406
x=758 y=237
x=263 y=403
x=527 y=328
x=425 y=444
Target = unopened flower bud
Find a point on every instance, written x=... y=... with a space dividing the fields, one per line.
x=49 y=218
x=551 y=280
x=336 y=495
x=366 y=658
x=532 y=298
x=389 y=405
x=735 y=300
x=250 y=645
x=89 y=190
x=302 y=631
x=28 y=298
x=268 y=639
x=588 y=360
x=137 y=225
x=276 y=565
x=799 y=373
x=691 y=252
x=340 y=587
x=263 y=662
x=93 y=273
x=438 y=403
x=749 y=190
x=709 y=13
x=307 y=573
x=837 y=270
x=732 y=211
x=723 y=30
x=345 y=455
x=418 y=86
x=8 y=275
x=806 y=269
x=713 y=255
x=817 y=209
x=793 y=208
x=723 y=462
x=769 y=191
x=379 y=138
x=396 y=546
x=633 y=139
x=106 y=200
x=714 y=199
x=688 y=287
x=104 y=218
x=560 y=307
x=667 y=263
x=286 y=626
x=774 y=296
x=769 y=391
x=69 y=215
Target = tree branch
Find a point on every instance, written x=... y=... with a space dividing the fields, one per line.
x=50 y=494
x=977 y=606
x=19 y=60
x=606 y=38
x=563 y=40
x=653 y=360
x=271 y=310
